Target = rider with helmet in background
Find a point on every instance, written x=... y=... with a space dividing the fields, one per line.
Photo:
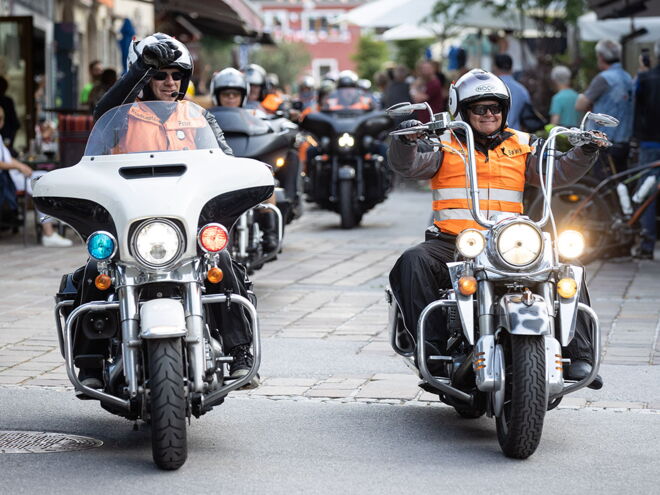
x=263 y=94
x=159 y=69
x=230 y=88
x=507 y=161
x=348 y=96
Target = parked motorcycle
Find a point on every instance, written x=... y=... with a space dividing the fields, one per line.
x=513 y=305
x=348 y=174
x=272 y=141
x=156 y=222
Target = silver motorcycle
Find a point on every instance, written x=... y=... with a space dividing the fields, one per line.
x=156 y=222
x=512 y=306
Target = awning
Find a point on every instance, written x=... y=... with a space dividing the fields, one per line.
x=218 y=17
x=392 y=13
x=591 y=29
x=616 y=9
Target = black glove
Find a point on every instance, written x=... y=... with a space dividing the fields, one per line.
x=160 y=54
x=405 y=125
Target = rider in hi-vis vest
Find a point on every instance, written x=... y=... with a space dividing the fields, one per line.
x=159 y=69
x=506 y=161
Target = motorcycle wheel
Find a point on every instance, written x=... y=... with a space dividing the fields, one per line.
x=347 y=207
x=167 y=403
x=593 y=221
x=520 y=424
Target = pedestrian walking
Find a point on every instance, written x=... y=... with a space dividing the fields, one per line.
x=562 y=105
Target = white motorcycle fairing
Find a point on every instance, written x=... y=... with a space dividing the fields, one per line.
x=118 y=184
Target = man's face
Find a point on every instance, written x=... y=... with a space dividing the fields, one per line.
x=490 y=121
x=165 y=82
x=230 y=98
x=426 y=69
x=97 y=70
x=255 y=90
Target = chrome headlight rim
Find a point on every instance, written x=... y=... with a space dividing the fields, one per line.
x=180 y=243
x=501 y=228
x=111 y=236
x=470 y=232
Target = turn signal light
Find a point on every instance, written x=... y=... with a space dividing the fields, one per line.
x=213 y=237
x=567 y=288
x=467 y=285
x=215 y=275
x=102 y=282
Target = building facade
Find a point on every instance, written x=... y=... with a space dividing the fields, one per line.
x=315 y=23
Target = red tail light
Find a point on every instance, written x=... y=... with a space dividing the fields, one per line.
x=213 y=237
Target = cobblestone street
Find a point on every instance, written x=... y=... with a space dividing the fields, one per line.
x=323 y=314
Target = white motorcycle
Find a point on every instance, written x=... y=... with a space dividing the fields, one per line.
x=156 y=222
x=513 y=305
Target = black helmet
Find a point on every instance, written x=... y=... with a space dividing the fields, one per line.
x=183 y=63
x=347 y=79
x=226 y=79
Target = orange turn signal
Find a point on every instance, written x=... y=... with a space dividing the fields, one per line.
x=567 y=288
x=215 y=275
x=102 y=282
x=368 y=156
x=467 y=285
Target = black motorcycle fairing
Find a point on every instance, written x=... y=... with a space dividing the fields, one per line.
x=83 y=215
x=228 y=207
x=239 y=121
x=332 y=124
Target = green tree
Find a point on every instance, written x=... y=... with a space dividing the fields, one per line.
x=286 y=60
x=408 y=52
x=370 y=56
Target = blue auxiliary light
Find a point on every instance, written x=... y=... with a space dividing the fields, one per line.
x=101 y=245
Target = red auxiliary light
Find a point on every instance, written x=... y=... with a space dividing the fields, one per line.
x=213 y=237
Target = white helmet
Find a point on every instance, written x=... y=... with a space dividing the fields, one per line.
x=184 y=62
x=474 y=86
x=226 y=79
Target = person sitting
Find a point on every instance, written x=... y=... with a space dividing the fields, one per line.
x=507 y=160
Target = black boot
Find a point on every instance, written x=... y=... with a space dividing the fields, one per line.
x=268 y=223
x=579 y=369
x=240 y=366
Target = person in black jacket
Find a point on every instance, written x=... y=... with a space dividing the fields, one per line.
x=647 y=132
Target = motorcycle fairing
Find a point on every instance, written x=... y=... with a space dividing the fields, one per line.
x=465 y=304
x=518 y=318
x=209 y=174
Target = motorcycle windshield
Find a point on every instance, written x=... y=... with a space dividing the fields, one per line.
x=348 y=101
x=149 y=126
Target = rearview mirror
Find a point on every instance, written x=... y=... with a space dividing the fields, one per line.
x=405 y=108
x=602 y=119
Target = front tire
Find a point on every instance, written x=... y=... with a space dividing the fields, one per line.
x=167 y=403
x=520 y=424
x=347 y=207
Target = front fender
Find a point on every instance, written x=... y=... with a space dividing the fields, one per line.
x=162 y=319
x=518 y=318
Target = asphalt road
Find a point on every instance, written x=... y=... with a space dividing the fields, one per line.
x=300 y=446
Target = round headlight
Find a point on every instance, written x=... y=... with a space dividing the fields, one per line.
x=346 y=140
x=470 y=243
x=157 y=243
x=519 y=244
x=570 y=244
x=101 y=245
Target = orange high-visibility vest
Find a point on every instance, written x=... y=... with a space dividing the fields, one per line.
x=272 y=102
x=147 y=133
x=362 y=103
x=501 y=177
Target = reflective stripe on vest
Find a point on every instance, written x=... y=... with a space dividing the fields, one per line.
x=146 y=132
x=501 y=178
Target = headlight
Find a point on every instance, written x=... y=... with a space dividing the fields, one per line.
x=570 y=244
x=519 y=244
x=470 y=243
x=346 y=140
x=157 y=243
x=101 y=245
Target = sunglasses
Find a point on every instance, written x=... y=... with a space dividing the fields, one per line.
x=230 y=93
x=482 y=109
x=161 y=76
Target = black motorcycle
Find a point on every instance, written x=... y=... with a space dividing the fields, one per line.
x=257 y=236
x=347 y=171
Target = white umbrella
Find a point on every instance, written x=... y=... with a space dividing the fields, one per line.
x=411 y=32
x=591 y=29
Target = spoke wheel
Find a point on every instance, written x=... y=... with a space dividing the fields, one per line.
x=520 y=424
x=167 y=403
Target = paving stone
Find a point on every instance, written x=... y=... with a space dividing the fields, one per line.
x=279 y=390
x=329 y=392
x=300 y=382
x=617 y=405
x=384 y=389
x=572 y=402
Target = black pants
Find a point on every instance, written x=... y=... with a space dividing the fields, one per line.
x=421 y=273
x=231 y=323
